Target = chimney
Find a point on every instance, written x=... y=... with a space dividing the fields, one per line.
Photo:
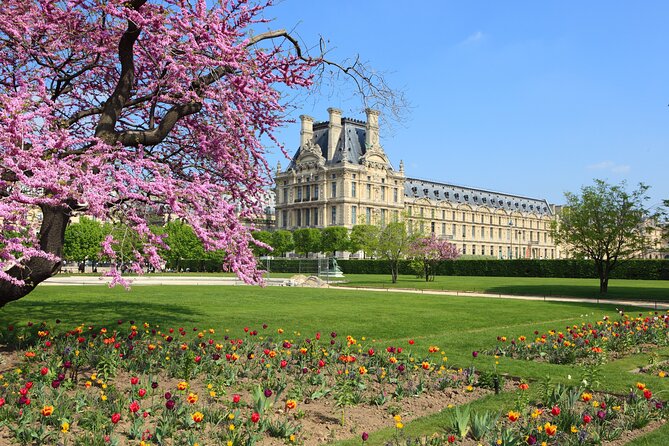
x=372 y=134
x=307 y=129
x=334 y=131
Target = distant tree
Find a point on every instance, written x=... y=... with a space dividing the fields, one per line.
x=334 y=238
x=365 y=238
x=428 y=251
x=282 y=242
x=604 y=223
x=307 y=240
x=393 y=244
x=83 y=240
x=183 y=243
x=263 y=237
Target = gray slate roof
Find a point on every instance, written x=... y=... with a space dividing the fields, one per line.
x=351 y=144
x=417 y=188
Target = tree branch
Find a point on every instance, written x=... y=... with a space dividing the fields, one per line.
x=114 y=105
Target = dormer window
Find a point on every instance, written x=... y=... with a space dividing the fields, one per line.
x=457 y=196
x=446 y=194
x=476 y=198
x=484 y=199
x=466 y=197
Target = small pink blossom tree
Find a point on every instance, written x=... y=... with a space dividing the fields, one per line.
x=428 y=251
x=127 y=109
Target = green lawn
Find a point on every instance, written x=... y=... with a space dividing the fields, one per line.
x=458 y=325
x=618 y=289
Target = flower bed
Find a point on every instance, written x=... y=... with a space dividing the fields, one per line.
x=594 y=342
x=141 y=384
x=565 y=416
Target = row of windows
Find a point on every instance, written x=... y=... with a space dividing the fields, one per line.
x=501 y=221
x=507 y=252
x=367 y=215
x=518 y=235
x=310 y=192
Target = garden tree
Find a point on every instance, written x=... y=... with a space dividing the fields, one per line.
x=605 y=223
x=428 y=251
x=365 y=238
x=135 y=108
x=307 y=240
x=182 y=243
x=334 y=238
x=282 y=242
x=393 y=244
x=83 y=240
x=264 y=237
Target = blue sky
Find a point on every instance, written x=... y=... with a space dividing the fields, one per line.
x=532 y=98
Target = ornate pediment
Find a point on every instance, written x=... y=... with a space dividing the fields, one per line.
x=310 y=155
x=375 y=157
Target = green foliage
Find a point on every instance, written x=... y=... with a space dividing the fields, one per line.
x=606 y=224
x=183 y=243
x=334 y=238
x=282 y=242
x=263 y=237
x=83 y=239
x=460 y=421
x=365 y=238
x=393 y=244
x=307 y=240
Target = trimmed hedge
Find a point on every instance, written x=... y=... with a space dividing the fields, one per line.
x=568 y=268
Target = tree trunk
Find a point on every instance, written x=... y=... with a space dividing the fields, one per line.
x=37 y=269
x=603 y=284
x=393 y=271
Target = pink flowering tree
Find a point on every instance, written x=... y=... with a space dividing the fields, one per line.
x=130 y=109
x=428 y=251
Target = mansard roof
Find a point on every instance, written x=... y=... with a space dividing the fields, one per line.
x=417 y=188
x=351 y=145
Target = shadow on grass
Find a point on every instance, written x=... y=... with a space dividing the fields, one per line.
x=574 y=291
x=98 y=313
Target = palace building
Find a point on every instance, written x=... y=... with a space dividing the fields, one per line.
x=340 y=176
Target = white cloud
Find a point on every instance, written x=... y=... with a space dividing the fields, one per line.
x=473 y=38
x=610 y=166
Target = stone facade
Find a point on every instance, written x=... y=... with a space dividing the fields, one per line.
x=340 y=176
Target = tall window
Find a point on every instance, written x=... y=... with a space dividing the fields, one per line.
x=333 y=215
x=464 y=250
x=299 y=193
x=307 y=217
x=383 y=217
x=396 y=216
x=285 y=195
x=473 y=249
x=432 y=225
x=299 y=217
x=307 y=193
x=284 y=219
x=443 y=229
x=443 y=215
x=354 y=191
x=354 y=214
x=368 y=215
x=315 y=192
x=395 y=195
x=383 y=193
x=369 y=191
x=314 y=211
x=334 y=190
